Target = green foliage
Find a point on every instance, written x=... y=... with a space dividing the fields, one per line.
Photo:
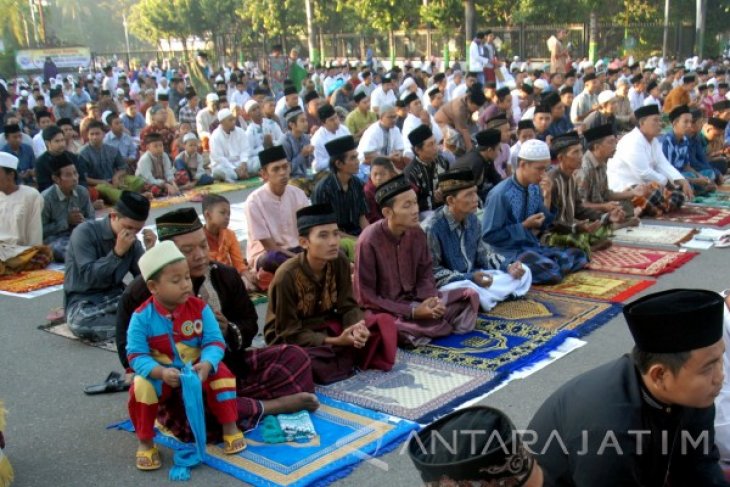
x=443 y=15
x=13 y=19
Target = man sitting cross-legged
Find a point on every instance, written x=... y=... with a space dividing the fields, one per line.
x=394 y=273
x=311 y=305
x=269 y=380
x=461 y=259
x=516 y=214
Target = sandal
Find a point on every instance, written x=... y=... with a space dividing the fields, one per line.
x=114 y=382
x=230 y=440
x=148 y=459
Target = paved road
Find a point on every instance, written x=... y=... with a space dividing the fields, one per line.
x=56 y=435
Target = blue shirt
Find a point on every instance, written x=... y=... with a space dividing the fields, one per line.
x=133 y=125
x=25 y=155
x=124 y=144
x=698 y=156
x=80 y=100
x=676 y=151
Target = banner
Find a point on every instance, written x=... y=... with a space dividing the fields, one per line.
x=63 y=57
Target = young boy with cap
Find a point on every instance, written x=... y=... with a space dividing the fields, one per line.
x=170 y=329
x=66 y=205
x=647 y=417
x=312 y=305
x=191 y=163
x=330 y=130
x=480 y=161
x=155 y=168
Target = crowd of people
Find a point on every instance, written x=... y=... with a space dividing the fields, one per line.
x=395 y=206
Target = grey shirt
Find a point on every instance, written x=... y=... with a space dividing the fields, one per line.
x=101 y=163
x=93 y=271
x=293 y=148
x=56 y=208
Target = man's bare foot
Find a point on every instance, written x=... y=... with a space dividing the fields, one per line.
x=292 y=404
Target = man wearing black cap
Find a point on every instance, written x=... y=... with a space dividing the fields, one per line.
x=331 y=129
x=501 y=105
x=312 y=305
x=712 y=137
x=99 y=256
x=62 y=108
x=273 y=379
x=168 y=116
x=394 y=273
x=637 y=92
x=675 y=146
x=559 y=120
x=646 y=418
x=476 y=446
x=587 y=101
x=721 y=110
x=56 y=146
x=639 y=160
x=132 y=120
x=681 y=94
x=422 y=171
x=433 y=99
x=359 y=119
x=26 y=158
x=457 y=114
x=383 y=94
x=297 y=143
x=341 y=188
x=416 y=117
x=480 y=161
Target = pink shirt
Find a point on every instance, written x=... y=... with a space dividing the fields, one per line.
x=274 y=217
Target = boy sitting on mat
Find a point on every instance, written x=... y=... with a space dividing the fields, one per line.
x=174 y=316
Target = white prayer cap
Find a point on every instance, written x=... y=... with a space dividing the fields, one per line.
x=24 y=93
x=534 y=150
x=188 y=137
x=606 y=96
x=511 y=84
x=250 y=104
x=9 y=161
x=120 y=92
x=104 y=115
x=541 y=84
x=159 y=256
x=89 y=77
x=224 y=114
x=211 y=97
x=600 y=63
x=218 y=78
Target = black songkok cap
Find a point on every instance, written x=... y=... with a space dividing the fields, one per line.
x=359 y=96
x=551 y=99
x=311 y=95
x=51 y=131
x=589 y=77
x=542 y=108
x=312 y=216
x=721 y=106
x=718 y=123
x=55 y=92
x=597 y=133
x=563 y=141
x=275 y=153
x=476 y=95
x=449 y=448
x=637 y=79
x=677 y=320
x=456 y=180
x=290 y=90
x=325 y=111
x=678 y=112
x=60 y=161
x=177 y=222
x=566 y=89
x=410 y=98
x=340 y=145
x=525 y=124
x=391 y=189
x=527 y=88
x=11 y=128
x=652 y=84
x=163 y=97
x=133 y=205
x=438 y=77
x=433 y=91
x=502 y=92
x=646 y=111
x=487 y=139
x=419 y=135
x=688 y=78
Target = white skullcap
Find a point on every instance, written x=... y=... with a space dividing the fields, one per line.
x=120 y=92
x=250 y=104
x=541 y=84
x=157 y=257
x=224 y=114
x=104 y=115
x=534 y=150
x=606 y=96
x=9 y=161
x=24 y=93
x=211 y=97
x=219 y=78
x=188 y=137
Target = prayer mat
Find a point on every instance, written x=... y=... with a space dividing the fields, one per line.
x=63 y=330
x=196 y=194
x=718 y=198
x=346 y=436
x=593 y=285
x=653 y=235
x=699 y=215
x=258 y=297
x=27 y=281
x=522 y=332
x=637 y=261
x=419 y=388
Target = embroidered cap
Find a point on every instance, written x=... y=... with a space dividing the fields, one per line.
x=177 y=222
x=159 y=256
x=391 y=189
x=563 y=141
x=534 y=150
x=456 y=180
x=314 y=215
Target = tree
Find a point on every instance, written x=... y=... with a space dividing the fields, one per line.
x=13 y=23
x=445 y=17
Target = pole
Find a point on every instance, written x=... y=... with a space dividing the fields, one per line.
x=700 y=26
x=468 y=26
x=35 y=24
x=126 y=34
x=593 y=37
x=311 y=42
x=665 y=43
x=42 y=18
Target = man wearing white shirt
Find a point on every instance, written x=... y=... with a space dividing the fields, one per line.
x=417 y=116
x=240 y=96
x=639 y=160
x=383 y=138
x=477 y=62
x=262 y=133
x=367 y=85
x=331 y=129
x=44 y=120
x=287 y=102
x=207 y=115
x=454 y=82
x=461 y=90
x=383 y=94
x=229 y=149
x=636 y=93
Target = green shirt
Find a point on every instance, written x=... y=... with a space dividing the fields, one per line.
x=356 y=121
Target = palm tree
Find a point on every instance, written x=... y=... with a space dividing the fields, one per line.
x=13 y=21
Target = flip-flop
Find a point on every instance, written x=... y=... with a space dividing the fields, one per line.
x=113 y=383
x=229 y=440
x=152 y=456
x=722 y=242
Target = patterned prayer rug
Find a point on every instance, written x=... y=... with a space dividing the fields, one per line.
x=718 y=198
x=521 y=332
x=28 y=281
x=653 y=235
x=258 y=297
x=62 y=330
x=637 y=261
x=196 y=194
x=699 y=215
x=594 y=285
x=418 y=387
x=347 y=435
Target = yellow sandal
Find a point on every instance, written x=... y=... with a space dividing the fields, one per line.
x=230 y=440
x=148 y=459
